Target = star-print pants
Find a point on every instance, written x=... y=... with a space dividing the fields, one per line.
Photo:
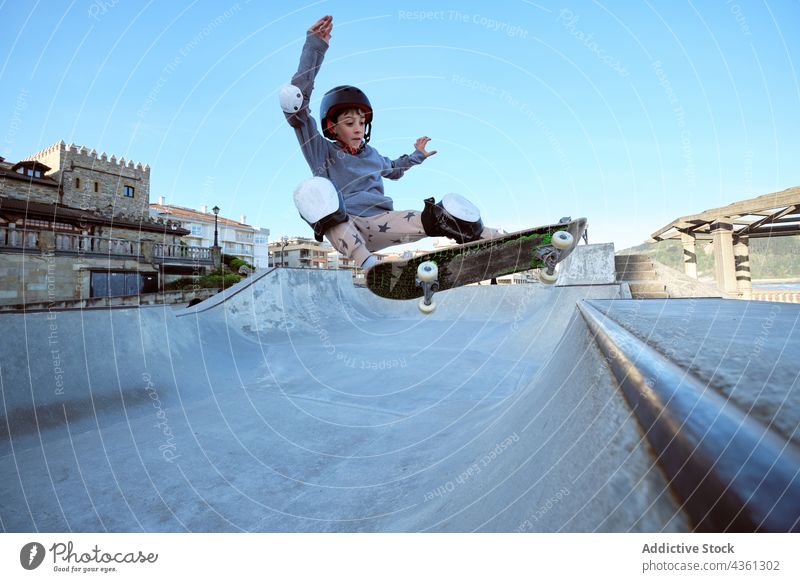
x=360 y=236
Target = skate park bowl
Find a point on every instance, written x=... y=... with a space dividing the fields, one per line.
x=297 y=402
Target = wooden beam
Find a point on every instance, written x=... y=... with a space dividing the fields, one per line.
x=772 y=218
x=657 y=234
x=789 y=197
x=769 y=230
x=786 y=199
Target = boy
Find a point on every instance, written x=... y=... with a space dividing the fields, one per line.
x=344 y=201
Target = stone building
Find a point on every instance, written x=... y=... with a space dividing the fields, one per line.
x=113 y=187
x=75 y=224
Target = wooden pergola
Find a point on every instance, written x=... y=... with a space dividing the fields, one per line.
x=730 y=228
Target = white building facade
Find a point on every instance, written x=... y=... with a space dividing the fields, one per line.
x=234 y=237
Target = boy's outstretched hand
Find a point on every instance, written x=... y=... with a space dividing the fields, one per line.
x=420 y=146
x=322 y=28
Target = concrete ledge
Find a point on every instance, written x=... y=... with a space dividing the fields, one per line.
x=588 y=265
x=160 y=298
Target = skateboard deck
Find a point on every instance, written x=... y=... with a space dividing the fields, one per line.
x=476 y=261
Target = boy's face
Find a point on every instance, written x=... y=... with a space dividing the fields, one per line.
x=349 y=128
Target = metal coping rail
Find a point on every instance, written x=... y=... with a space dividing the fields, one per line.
x=730 y=472
x=225 y=294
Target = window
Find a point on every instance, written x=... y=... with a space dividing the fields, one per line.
x=97 y=186
x=35 y=223
x=129 y=191
x=30 y=169
x=77 y=183
x=38 y=224
x=196 y=229
x=111 y=284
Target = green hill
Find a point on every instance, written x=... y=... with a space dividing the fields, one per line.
x=770 y=258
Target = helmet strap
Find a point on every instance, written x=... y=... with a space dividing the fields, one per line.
x=328 y=126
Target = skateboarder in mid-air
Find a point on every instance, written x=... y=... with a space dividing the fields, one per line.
x=345 y=201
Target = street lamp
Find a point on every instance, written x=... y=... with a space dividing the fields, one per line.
x=284 y=242
x=216 y=211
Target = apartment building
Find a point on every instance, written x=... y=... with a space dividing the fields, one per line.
x=235 y=237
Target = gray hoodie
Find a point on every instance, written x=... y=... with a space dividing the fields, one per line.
x=358 y=177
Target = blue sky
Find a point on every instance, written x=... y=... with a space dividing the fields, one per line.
x=629 y=113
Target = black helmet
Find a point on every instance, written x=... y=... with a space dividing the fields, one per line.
x=344 y=97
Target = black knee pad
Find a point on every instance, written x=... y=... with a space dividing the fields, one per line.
x=321 y=226
x=438 y=221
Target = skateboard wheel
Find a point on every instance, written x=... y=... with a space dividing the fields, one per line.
x=562 y=239
x=547 y=279
x=427 y=271
x=426 y=308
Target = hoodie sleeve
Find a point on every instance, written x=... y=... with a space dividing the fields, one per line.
x=313 y=145
x=394 y=169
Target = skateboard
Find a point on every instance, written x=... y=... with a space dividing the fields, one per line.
x=541 y=248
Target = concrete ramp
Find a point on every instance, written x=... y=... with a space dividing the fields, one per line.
x=298 y=402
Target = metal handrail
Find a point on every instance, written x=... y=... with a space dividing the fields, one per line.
x=731 y=472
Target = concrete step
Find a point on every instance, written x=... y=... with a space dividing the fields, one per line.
x=643 y=275
x=633 y=267
x=650 y=295
x=646 y=287
x=639 y=272
x=631 y=259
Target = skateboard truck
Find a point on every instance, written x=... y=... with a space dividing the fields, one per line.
x=428 y=279
x=550 y=255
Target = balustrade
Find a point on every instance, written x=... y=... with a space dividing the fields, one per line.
x=26 y=239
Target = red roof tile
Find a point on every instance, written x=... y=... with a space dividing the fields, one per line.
x=182 y=212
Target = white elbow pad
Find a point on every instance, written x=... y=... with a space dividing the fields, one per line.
x=291 y=98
